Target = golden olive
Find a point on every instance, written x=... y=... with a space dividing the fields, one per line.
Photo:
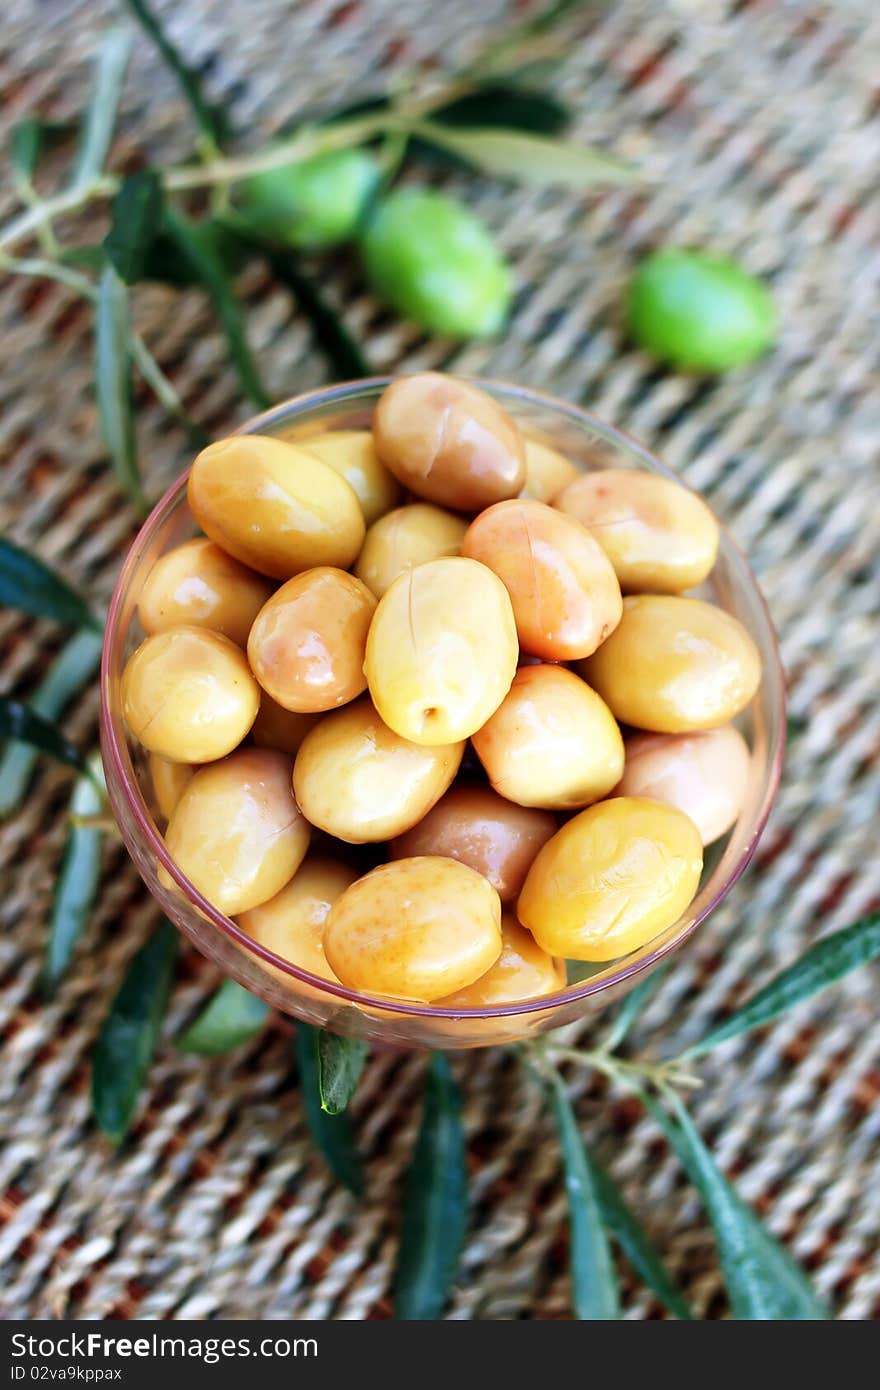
x=361 y=782
x=404 y=538
x=659 y=536
x=565 y=594
x=414 y=929
x=292 y=923
x=307 y=643
x=442 y=650
x=553 y=742
x=706 y=775
x=612 y=879
x=188 y=695
x=523 y=971
x=352 y=454
x=449 y=442
x=280 y=728
x=275 y=506
x=237 y=833
x=479 y=828
x=169 y=781
x=547 y=471
x=199 y=585
x=675 y=665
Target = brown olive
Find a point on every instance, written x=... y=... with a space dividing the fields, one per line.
x=522 y=971
x=404 y=538
x=292 y=923
x=352 y=454
x=706 y=775
x=547 y=471
x=280 y=728
x=199 y=585
x=170 y=781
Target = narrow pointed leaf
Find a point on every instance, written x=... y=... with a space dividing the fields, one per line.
x=136 y=219
x=31 y=587
x=507 y=105
x=593 y=1278
x=631 y=1007
x=27 y=142
x=344 y=356
x=18 y=721
x=822 y=965
x=340 y=1063
x=208 y=118
x=78 y=879
x=635 y=1243
x=435 y=1202
x=127 y=1041
x=113 y=382
x=231 y=1016
x=526 y=158
x=333 y=1135
x=100 y=119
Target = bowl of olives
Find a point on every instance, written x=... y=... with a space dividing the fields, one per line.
x=437 y=712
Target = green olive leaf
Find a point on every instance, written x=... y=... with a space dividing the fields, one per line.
x=136 y=218
x=344 y=356
x=340 y=1063
x=631 y=1007
x=210 y=120
x=636 y=1244
x=527 y=158
x=232 y=1016
x=506 y=105
x=333 y=1135
x=435 y=1202
x=127 y=1040
x=31 y=587
x=822 y=965
x=593 y=1278
x=113 y=383
x=79 y=876
x=111 y=61
x=27 y=141
x=18 y=721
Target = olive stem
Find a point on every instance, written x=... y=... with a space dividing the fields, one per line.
x=619 y=1069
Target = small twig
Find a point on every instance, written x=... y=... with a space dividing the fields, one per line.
x=620 y=1069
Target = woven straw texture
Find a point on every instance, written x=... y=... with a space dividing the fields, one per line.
x=755 y=123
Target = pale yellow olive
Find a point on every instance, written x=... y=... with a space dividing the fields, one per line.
x=565 y=594
x=659 y=536
x=547 y=471
x=552 y=742
x=361 y=782
x=352 y=453
x=237 y=833
x=188 y=695
x=307 y=643
x=275 y=506
x=522 y=971
x=169 y=781
x=442 y=650
x=612 y=879
x=200 y=585
x=414 y=929
x=706 y=775
x=292 y=923
x=675 y=665
x=404 y=538
x=449 y=442
x=280 y=728
x=479 y=828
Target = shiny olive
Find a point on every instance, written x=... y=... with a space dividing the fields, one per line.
x=307 y=643
x=200 y=585
x=442 y=650
x=479 y=828
x=237 y=833
x=612 y=879
x=706 y=775
x=449 y=442
x=361 y=782
x=406 y=537
x=316 y=203
x=352 y=453
x=675 y=665
x=275 y=506
x=280 y=728
x=414 y=929
x=434 y=262
x=659 y=536
x=547 y=471
x=523 y=971
x=552 y=742
x=565 y=594
x=169 y=781
x=292 y=923
x=188 y=695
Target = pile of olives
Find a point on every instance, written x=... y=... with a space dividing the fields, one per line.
x=427 y=708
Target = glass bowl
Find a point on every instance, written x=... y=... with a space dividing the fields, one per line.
x=588 y=443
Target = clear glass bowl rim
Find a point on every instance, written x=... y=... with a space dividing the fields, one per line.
x=121 y=768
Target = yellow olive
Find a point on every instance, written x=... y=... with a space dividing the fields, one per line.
x=361 y=782
x=275 y=506
x=553 y=742
x=706 y=775
x=449 y=442
x=675 y=665
x=237 y=833
x=612 y=879
x=479 y=828
x=522 y=971
x=442 y=650
x=188 y=695
x=352 y=454
x=565 y=594
x=307 y=643
x=199 y=585
x=170 y=781
x=547 y=471
x=404 y=538
x=659 y=536
x=280 y=728
x=414 y=929
x=292 y=923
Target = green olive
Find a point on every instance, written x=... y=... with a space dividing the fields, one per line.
x=317 y=203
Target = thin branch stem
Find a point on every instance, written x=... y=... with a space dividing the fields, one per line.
x=620 y=1069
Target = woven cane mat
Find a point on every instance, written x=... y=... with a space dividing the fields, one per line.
x=756 y=126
